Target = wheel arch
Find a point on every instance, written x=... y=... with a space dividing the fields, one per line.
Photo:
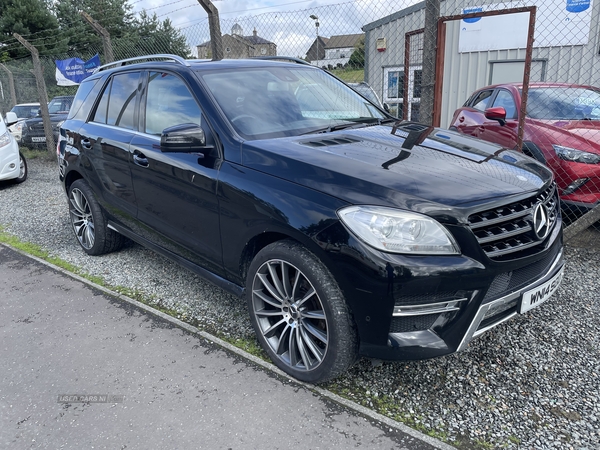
x=261 y=240
x=70 y=178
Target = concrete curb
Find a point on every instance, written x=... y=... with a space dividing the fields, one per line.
x=266 y=365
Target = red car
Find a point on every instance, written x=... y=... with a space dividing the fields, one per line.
x=562 y=130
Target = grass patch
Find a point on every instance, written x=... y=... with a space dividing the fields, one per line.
x=32 y=153
x=349 y=75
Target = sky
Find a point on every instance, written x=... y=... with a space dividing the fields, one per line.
x=285 y=22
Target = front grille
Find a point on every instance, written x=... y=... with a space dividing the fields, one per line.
x=509 y=282
x=508 y=230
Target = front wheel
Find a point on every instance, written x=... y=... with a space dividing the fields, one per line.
x=299 y=313
x=22 y=169
x=89 y=223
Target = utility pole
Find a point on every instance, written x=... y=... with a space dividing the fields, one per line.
x=432 y=14
x=104 y=35
x=216 y=40
x=42 y=94
x=11 y=82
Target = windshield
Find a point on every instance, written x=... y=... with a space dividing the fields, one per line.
x=25 y=111
x=59 y=105
x=563 y=103
x=282 y=101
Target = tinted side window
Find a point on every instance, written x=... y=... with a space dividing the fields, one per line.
x=481 y=100
x=121 y=105
x=506 y=100
x=100 y=115
x=169 y=102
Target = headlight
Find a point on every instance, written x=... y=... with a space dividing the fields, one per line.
x=570 y=154
x=57 y=125
x=16 y=127
x=5 y=139
x=396 y=231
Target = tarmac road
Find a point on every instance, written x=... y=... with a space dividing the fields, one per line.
x=81 y=369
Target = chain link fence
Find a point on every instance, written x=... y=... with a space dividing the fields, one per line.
x=432 y=62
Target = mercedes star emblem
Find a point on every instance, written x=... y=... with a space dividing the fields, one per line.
x=541 y=222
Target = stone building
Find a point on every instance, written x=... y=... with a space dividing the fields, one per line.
x=238 y=46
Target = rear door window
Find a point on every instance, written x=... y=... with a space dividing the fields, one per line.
x=117 y=104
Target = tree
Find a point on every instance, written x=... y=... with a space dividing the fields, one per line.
x=114 y=15
x=153 y=36
x=33 y=20
x=357 y=59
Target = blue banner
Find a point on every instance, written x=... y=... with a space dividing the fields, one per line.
x=72 y=71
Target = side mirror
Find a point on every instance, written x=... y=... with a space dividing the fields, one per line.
x=11 y=118
x=496 y=113
x=187 y=137
x=386 y=107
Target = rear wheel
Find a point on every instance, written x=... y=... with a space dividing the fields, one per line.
x=89 y=223
x=299 y=313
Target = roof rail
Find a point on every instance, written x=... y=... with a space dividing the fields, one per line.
x=283 y=58
x=122 y=62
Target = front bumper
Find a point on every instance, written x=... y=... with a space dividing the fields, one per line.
x=419 y=307
x=9 y=161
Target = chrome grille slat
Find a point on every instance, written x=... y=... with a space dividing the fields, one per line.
x=504 y=230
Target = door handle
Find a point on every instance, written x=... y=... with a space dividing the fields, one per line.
x=85 y=143
x=140 y=159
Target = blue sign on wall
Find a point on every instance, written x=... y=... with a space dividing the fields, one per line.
x=72 y=71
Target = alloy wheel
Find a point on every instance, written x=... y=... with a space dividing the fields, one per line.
x=82 y=219
x=290 y=315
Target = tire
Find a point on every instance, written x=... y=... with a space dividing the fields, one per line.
x=89 y=223
x=22 y=170
x=313 y=341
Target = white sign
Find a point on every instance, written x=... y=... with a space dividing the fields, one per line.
x=558 y=23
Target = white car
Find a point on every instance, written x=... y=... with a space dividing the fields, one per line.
x=12 y=163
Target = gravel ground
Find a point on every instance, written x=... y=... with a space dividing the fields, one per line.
x=531 y=383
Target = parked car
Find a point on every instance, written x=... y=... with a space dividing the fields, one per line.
x=23 y=112
x=367 y=91
x=347 y=232
x=13 y=166
x=562 y=125
x=26 y=110
x=32 y=130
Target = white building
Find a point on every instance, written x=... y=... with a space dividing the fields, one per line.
x=484 y=51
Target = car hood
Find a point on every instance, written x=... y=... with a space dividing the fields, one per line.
x=370 y=166
x=579 y=134
x=53 y=118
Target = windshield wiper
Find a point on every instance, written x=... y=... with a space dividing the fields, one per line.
x=354 y=123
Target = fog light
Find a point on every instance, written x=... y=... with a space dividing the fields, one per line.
x=575 y=185
x=500 y=307
x=12 y=165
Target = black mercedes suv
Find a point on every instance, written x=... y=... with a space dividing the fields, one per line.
x=347 y=232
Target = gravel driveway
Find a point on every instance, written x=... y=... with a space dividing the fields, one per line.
x=530 y=383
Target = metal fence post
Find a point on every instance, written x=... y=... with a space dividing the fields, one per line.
x=216 y=40
x=42 y=93
x=104 y=34
x=11 y=82
x=432 y=14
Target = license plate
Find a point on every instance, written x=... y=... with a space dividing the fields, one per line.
x=540 y=294
x=38 y=139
